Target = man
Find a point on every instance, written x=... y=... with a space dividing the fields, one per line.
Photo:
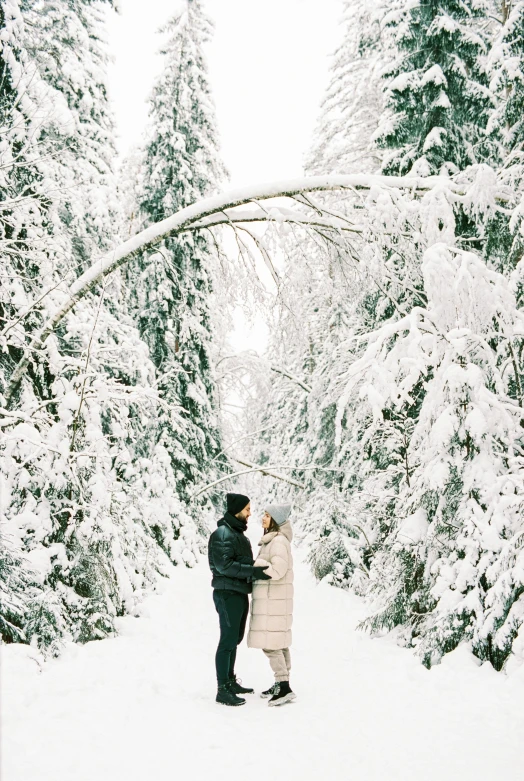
x=231 y=562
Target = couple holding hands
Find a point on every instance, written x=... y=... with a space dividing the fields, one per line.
x=270 y=581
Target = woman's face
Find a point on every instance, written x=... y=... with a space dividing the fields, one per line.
x=266 y=521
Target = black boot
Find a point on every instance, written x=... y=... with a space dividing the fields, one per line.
x=271 y=691
x=227 y=697
x=236 y=686
x=283 y=695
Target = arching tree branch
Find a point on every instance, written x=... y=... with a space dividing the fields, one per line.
x=268 y=471
x=193 y=217
x=263 y=470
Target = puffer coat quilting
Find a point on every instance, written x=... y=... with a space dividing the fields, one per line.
x=230 y=556
x=272 y=600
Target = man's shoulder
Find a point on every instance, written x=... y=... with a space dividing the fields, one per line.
x=221 y=532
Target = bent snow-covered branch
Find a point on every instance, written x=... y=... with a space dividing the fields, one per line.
x=213 y=210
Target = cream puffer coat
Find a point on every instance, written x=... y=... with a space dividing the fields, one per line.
x=272 y=600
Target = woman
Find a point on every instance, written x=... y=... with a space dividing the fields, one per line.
x=272 y=601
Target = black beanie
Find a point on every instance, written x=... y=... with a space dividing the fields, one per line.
x=236 y=503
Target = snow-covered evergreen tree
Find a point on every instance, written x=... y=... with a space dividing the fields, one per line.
x=504 y=243
x=66 y=43
x=17 y=582
x=170 y=293
x=72 y=495
x=437 y=98
x=444 y=571
x=24 y=214
x=391 y=526
x=353 y=103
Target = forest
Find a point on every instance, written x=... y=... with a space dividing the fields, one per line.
x=388 y=404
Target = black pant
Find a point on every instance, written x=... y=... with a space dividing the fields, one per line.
x=232 y=608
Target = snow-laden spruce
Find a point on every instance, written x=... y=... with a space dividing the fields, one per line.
x=66 y=42
x=169 y=290
x=448 y=565
x=505 y=243
x=27 y=270
x=80 y=501
x=353 y=103
x=437 y=96
x=379 y=524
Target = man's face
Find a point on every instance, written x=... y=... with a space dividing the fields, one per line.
x=244 y=514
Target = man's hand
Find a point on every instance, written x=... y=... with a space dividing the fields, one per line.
x=259 y=573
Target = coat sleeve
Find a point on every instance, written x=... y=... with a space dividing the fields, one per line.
x=278 y=559
x=224 y=560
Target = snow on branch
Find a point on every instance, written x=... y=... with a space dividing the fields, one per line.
x=214 y=210
x=188 y=218
x=235 y=216
x=252 y=468
x=292 y=377
x=267 y=470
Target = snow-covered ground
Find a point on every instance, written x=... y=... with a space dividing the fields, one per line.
x=141 y=706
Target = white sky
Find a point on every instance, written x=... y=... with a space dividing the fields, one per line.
x=268 y=67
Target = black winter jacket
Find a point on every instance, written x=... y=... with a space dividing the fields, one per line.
x=230 y=556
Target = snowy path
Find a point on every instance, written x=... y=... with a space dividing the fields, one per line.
x=141 y=706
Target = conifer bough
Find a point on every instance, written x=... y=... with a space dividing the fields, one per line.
x=196 y=216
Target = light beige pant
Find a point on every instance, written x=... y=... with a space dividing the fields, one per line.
x=280 y=662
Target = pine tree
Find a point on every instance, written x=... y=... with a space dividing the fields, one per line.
x=171 y=290
x=25 y=269
x=66 y=43
x=504 y=246
x=348 y=121
x=71 y=492
x=448 y=568
x=506 y=67
x=351 y=108
x=437 y=101
x=24 y=209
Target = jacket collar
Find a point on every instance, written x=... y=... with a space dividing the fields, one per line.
x=285 y=529
x=268 y=537
x=233 y=522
